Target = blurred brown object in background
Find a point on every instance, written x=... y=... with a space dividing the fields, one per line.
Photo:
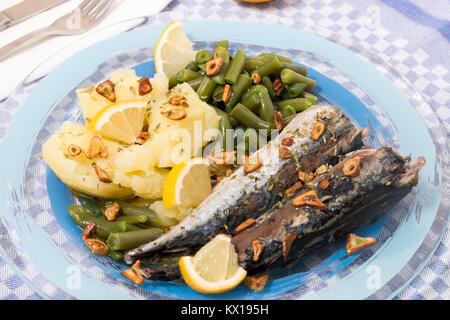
x=256 y=1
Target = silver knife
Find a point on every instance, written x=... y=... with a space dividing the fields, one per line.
x=24 y=10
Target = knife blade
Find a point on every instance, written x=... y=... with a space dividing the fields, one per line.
x=24 y=10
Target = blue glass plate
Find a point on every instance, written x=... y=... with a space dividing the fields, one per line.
x=34 y=201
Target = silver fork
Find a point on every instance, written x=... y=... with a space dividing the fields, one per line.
x=88 y=14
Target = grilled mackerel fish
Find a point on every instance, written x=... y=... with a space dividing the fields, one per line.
x=358 y=190
x=242 y=196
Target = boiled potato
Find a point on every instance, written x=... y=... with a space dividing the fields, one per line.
x=173 y=141
x=77 y=172
x=135 y=170
x=126 y=87
x=147 y=184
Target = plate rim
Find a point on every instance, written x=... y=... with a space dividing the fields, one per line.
x=161 y=25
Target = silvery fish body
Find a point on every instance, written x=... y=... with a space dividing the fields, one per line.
x=248 y=195
x=289 y=232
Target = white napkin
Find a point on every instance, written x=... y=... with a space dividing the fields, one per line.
x=16 y=68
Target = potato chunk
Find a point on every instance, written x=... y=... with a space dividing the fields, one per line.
x=78 y=172
x=126 y=87
x=173 y=141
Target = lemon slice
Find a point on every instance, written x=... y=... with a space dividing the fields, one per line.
x=121 y=121
x=214 y=268
x=174 y=50
x=188 y=183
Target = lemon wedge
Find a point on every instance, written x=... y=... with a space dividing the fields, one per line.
x=214 y=268
x=121 y=121
x=174 y=50
x=188 y=183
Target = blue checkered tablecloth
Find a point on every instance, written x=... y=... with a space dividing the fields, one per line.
x=413 y=36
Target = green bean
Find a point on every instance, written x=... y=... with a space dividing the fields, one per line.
x=295 y=67
x=220 y=77
x=238 y=136
x=248 y=118
x=251 y=64
x=133 y=227
x=132 y=239
x=251 y=100
x=250 y=133
x=299 y=104
x=266 y=82
x=287 y=111
x=203 y=56
x=224 y=123
x=172 y=80
x=289 y=77
x=270 y=55
x=238 y=90
x=192 y=66
x=222 y=44
x=293 y=91
x=130 y=210
x=284 y=59
x=253 y=89
x=265 y=56
x=251 y=140
x=266 y=107
x=246 y=73
x=239 y=140
x=206 y=88
x=115 y=255
x=308 y=95
x=258 y=89
x=195 y=83
x=233 y=121
x=202 y=67
x=133 y=219
x=258 y=58
x=236 y=66
x=218 y=93
x=272 y=66
x=223 y=53
x=95 y=206
x=186 y=75
x=82 y=217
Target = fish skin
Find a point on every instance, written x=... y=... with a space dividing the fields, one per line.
x=385 y=177
x=231 y=202
x=167 y=272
